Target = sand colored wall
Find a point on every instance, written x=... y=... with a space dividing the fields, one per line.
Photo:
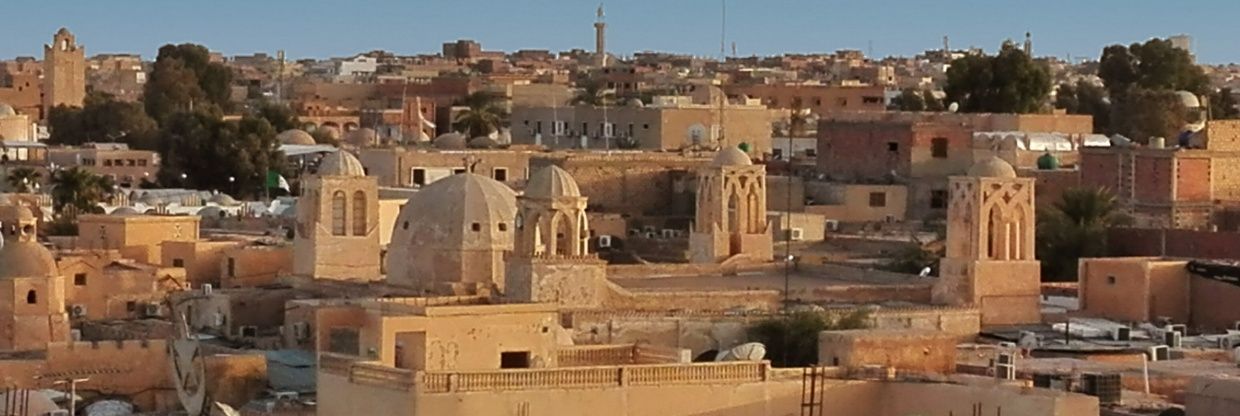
x=1134 y=289
x=142 y=370
x=31 y=326
x=389 y=209
x=922 y=351
x=1212 y=396
x=812 y=226
x=254 y=265
x=851 y=203
x=1214 y=303
x=201 y=259
x=111 y=284
x=138 y=237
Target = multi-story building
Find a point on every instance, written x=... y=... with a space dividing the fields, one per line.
x=121 y=76
x=127 y=167
x=818 y=98
x=21 y=86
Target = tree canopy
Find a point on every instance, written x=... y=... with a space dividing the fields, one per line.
x=1009 y=82
x=1075 y=227
x=483 y=115
x=185 y=79
x=1086 y=98
x=1154 y=65
x=209 y=151
x=102 y=118
x=792 y=340
x=78 y=190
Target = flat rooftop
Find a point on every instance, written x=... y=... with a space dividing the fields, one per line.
x=768 y=280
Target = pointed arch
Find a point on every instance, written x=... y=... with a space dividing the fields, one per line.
x=360 y=224
x=339 y=207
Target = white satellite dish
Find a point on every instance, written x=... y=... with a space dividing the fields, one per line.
x=953 y=107
x=188 y=369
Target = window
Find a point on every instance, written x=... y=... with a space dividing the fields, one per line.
x=141 y=162
x=32 y=297
x=343 y=341
x=1110 y=280
x=893 y=147
x=938 y=147
x=503 y=227
x=232 y=267
x=475 y=227
x=514 y=359
x=339 y=204
x=131 y=162
x=500 y=174
x=811 y=152
x=938 y=199
x=178 y=262
x=359 y=213
x=107 y=162
x=777 y=153
x=419 y=176
x=878 y=199
x=79 y=279
x=131 y=306
x=645 y=126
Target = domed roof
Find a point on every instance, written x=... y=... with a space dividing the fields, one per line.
x=451 y=141
x=7 y=110
x=483 y=142
x=150 y=198
x=26 y=259
x=126 y=211
x=332 y=132
x=636 y=102
x=362 y=137
x=731 y=156
x=340 y=163
x=210 y=212
x=443 y=211
x=295 y=136
x=992 y=167
x=551 y=182
x=223 y=199
x=1188 y=99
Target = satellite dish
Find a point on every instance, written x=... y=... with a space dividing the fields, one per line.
x=953 y=107
x=188 y=369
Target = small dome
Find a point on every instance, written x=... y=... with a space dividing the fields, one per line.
x=340 y=163
x=731 y=156
x=363 y=137
x=223 y=199
x=151 y=199
x=7 y=110
x=992 y=167
x=332 y=132
x=636 y=102
x=26 y=259
x=1048 y=162
x=450 y=141
x=210 y=212
x=295 y=136
x=551 y=182
x=126 y=211
x=483 y=142
x=1189 y=99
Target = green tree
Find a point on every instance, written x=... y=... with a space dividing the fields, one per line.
x=593 y=93
x=229 y=156
x=909 y=100
x=1154 y=65
x=1085 y=98
x=102 y=118
x=1009 y=82
x=280 y=116
x=185 y=79
x=912 y=259
x=1223 y=105
x=1073 y=228
x=23 y=180
x=932 y=103
x=1141 y=113
x=482 y=116
x=792 y=340
x=79 y=190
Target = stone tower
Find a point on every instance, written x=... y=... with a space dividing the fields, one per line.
x=990 y=260
x=64 y=72
x=338 y=222
x=600 y=38
x=551 y=261
x=731 y=210
x=32 y=303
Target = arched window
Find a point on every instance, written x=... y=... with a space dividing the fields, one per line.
x=338 y=210
x=359 y=213
x=32 y=297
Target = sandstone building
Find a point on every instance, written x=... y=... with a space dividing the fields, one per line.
x=337 y=233
x=64 y=72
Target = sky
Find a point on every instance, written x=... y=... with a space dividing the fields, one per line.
x=327 y=28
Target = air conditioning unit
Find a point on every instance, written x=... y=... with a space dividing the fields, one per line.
x=1178 y=328
x=1159 y=353
x=1005 y=358
x=1236 y=325
x=1228 y=342
x=834 y=225
x=1106 y=387
x=301 y=331
x=604 y=241
x=150 y=310
x=1005 y=371
x=890 y=219
x=1007 y=344
x=1173 y=339
x=285 y=395
x=206 y=289
x=77 y=311
x=796 y=234
x=1122 y=334
x=649 y=229
x=634 y=232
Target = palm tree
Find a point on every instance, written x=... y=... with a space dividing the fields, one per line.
x=593 y=93
x=1075 y=227
x=79 y=189
x=23 y=180
x=483 y=115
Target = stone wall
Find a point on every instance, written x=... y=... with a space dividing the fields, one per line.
x=919 y=351
x=136 y=369
x=1212 y=396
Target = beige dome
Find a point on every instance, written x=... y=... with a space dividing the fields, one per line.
x=125 y=211
x=363 y=137
x=340 y=163
x=150 y=198
x=551 y=182
x=483 y=142
x=450 y=141
x=731 y=156
x=441 y=215
x=1188 y=99
x=7 y=110
x=332 y=132
x=22 y=255
x=992 y=167
x=223 y=199
x=295 y=136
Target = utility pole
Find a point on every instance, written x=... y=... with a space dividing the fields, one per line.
x=72 y=382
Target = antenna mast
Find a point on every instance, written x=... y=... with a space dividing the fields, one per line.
x=723 y=58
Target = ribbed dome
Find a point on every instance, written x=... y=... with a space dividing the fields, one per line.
x=992 y=167
x=483 y=142
x=340 y=163
x=450 y=141
x=363 y=137
x=1188 y=99
x=442 y=214
x=210 y=212
x=551 y=182
x=295 y=136
x=7 y=110
x=731 y=156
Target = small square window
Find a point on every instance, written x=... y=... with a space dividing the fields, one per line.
x=514 y=359
x=178 y=262
x=79 y=279
x=131 y=306
x=938 y=148
x=419 y=176
x=938 y=199
x=1110 y=280
x=500 y=174
x=503 y=227
x=458 y=171
x=878 y=199
x=893 y=147
x=475 y=226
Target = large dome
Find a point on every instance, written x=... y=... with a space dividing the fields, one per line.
x=340 y=163
x=992 y=167
x=450 y=141
x=444 y=213
x=731 y=156
x=7 y=110
x=295 y=136
x=551 y=182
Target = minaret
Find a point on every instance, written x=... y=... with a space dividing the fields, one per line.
x=600 y=38
x=1029 y=44
x=64 y=72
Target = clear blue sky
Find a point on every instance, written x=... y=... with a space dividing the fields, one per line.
x=323 y=28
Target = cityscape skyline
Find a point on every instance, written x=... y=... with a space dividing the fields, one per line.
x=789 y=26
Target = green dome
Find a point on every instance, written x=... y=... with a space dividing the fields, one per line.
x=1048 y=162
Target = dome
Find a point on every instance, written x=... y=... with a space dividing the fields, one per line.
x=363 y=137
x=340 y=163
x=1048 y=162
x=21 y=255
x=7 y=110
x=332 y=132
x=731 y=156
x=551 y=182
x=222 y=199
x=210 y=212
x=483 y=142
x=992 y=167
x=295 y=136
x=151 y=199
x=451 y=141
x=126 y=211
x=1188 y=99
x=446 y=208
x=636 y=102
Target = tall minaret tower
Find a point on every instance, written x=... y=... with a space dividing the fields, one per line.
x=64 y=72
x=600 y=38
x=1029 y=44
